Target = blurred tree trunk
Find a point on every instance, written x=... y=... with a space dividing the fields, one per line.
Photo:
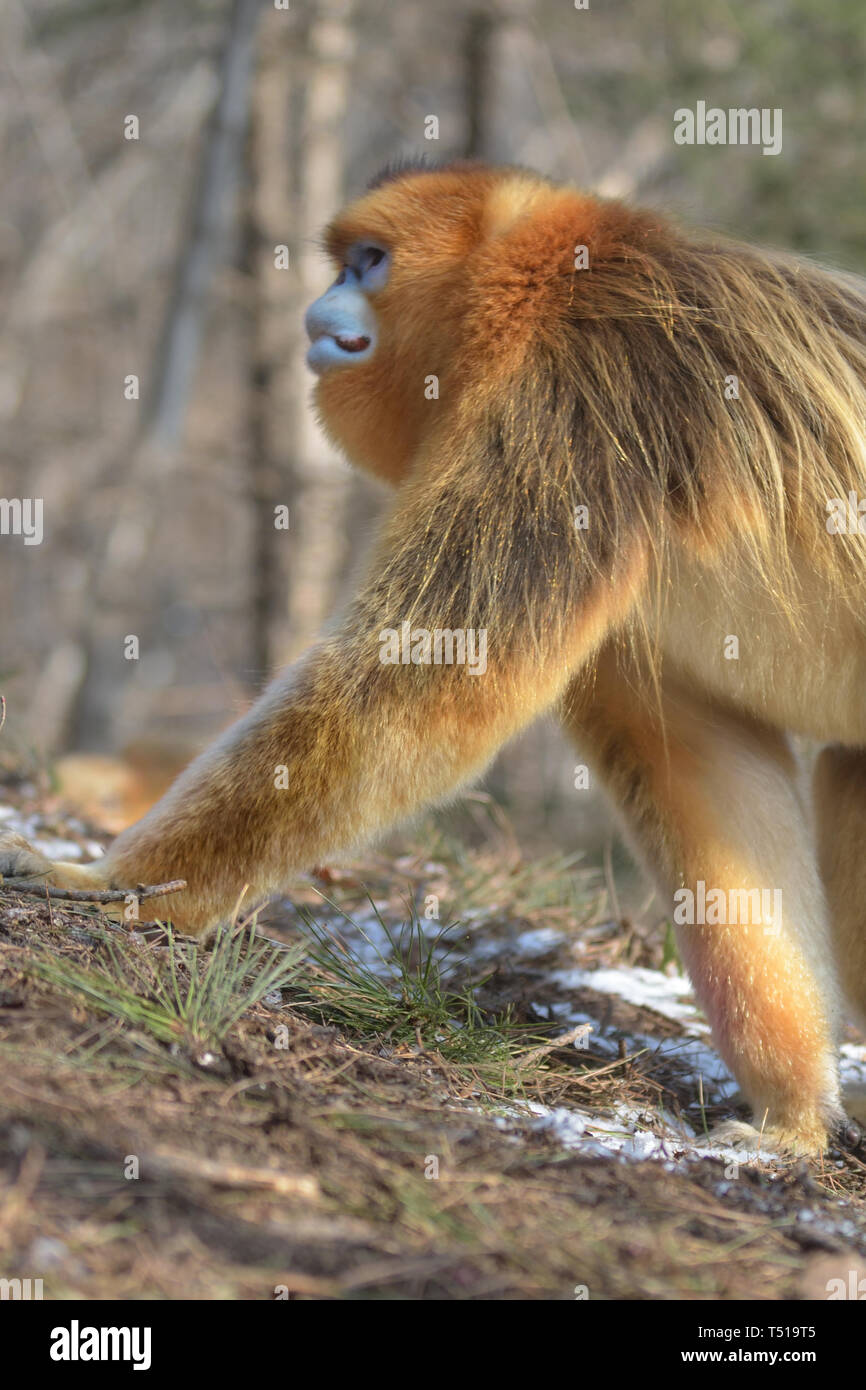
x=516 y=111
x=481 y=28
x=212 y=215
x=146 y=483
x=274 y=399
x=298 y=167
x=320 y=549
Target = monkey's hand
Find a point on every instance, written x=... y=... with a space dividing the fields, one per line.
x=25 y=867
x=18 y=859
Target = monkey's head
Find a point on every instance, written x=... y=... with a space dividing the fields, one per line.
x=443 y=277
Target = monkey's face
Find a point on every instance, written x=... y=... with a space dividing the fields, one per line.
x=342 y=322
x=386 y=336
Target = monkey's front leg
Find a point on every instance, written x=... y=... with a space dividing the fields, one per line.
x=346 y=744
x=339 y=748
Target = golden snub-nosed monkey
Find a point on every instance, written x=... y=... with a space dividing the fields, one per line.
x=626 y=464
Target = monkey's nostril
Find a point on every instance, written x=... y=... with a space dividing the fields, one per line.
x=350 y=344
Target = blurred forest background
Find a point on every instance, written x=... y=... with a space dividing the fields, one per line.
x=155 y=257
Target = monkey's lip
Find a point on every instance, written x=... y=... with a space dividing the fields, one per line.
x=349 y=344
x=329 y=350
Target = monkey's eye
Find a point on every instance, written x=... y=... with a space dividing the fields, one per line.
x=371 y=263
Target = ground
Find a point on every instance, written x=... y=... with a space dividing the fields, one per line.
x=388 y=1091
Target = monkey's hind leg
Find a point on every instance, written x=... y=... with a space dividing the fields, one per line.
x=840 y=815
x=711 y=803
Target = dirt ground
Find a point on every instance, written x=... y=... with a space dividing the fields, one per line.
x=388 y=1129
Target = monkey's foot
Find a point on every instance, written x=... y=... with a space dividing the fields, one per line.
x=795 y=1141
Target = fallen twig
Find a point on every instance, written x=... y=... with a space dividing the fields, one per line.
x=574 y=1035
x=91 y=895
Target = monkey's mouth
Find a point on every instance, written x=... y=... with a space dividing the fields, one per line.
x=349 y=344
x=330 y=350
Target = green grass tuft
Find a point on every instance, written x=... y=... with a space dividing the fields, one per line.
x=180 y=994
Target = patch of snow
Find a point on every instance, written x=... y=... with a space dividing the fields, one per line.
x=366 y=938
x=31 y=827
x=54 y=848
x=693 y=1054
x=852 y=1065
x=669 y=995
x=529 y=944
x=626 y=1135
x=699 y=1062
x=369 y=943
